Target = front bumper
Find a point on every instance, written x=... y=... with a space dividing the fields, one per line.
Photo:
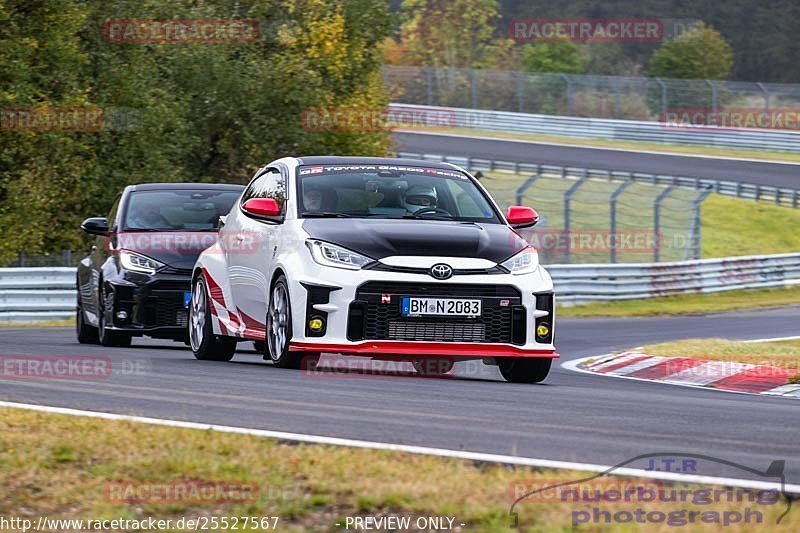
x=154 y=305
x=361 y=316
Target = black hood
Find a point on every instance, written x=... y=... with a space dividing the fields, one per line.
x=379 y=238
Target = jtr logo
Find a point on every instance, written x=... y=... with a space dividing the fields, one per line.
x=672 y=465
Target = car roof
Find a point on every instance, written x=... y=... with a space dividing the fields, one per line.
x=340 y=160
x=186 y=186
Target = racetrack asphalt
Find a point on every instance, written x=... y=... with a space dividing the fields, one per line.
x=570 y=417
x=745 y=171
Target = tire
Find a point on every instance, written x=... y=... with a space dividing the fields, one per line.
x=85 y=333
x=523 y=370
x=260 y=347
x=279 y=331
x=205 y=345
x=433 y=367
x=109 y=337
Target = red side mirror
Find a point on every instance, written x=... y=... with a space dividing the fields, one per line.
x=520 y=216
x=262 y=207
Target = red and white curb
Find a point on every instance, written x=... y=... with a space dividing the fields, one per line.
x=727 y=376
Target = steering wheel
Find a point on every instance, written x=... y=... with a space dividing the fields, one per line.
x=434 y=211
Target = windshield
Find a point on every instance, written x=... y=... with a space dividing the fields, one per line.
x=391 y=191
x=168 y=210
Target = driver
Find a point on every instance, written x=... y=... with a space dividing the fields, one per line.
x=420 y=197
x=148 y=217
x=312 y=199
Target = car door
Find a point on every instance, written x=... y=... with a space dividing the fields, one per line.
x=250 y=252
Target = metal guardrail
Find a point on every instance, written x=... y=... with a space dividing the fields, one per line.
x=577 y=284
x=35 y=294
x=596 y=128
x=748 y=191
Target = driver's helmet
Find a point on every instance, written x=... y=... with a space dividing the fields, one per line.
x=420 y=197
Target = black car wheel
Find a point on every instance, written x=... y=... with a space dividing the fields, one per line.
x=523 y=370
x=86 y=334
x=205 y=345
x=279 y=331
x=107 y=336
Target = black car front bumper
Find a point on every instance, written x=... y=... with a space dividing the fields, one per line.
x=154 y=305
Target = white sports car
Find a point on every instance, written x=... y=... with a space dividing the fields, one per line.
x=386 y=258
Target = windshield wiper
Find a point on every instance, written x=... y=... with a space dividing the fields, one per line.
x=428 y=217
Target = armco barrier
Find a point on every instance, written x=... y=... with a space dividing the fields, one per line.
x=30 y=294
x=601 y=128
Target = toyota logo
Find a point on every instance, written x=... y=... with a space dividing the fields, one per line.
x=441 y=271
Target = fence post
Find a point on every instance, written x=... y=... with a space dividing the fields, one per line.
x=568 y=93
x=713 y=100
x=695 y=232
x=657 y=221
x=766 y=95
x=473 y=82
x=663 y=99
x=525 y=186
x=66 y=257
x=520 y=91
x=567 y=199
x=429 y=80
x=614 y=196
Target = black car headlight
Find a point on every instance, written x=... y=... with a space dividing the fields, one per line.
x=136 y=262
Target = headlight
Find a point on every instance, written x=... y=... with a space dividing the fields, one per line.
x=524 y=262
x=138 y=262
x=331 y=255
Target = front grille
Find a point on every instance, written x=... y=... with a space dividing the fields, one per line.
x=436 y=331
x=168 y=311
x=371 y=319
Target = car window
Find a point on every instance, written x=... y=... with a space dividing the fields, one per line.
x=388 y=191
x=167 y=210
x=268 y=185
x=112 y=214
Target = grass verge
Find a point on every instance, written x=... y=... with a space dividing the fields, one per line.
x=679 y=149
x=62 y=467
x=685 y=304
x=40 y=324
x=783 y=354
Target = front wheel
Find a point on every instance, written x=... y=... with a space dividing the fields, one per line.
x=205 y=345
x=524 y=370
x=279 y=331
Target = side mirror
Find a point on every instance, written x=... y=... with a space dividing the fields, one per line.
x=521 y=217
x=95 y=226
x=261 y=207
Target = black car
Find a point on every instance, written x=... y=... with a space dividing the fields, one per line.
x=137 y=278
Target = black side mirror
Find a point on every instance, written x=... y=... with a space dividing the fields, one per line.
x=95 y=225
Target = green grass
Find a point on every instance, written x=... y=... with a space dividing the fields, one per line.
x=792 y=157
x=686 y=304
x=782 y=354
x=40 y=324
x=740 y=227
x=60 y=466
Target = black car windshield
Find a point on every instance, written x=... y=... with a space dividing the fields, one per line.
x=173 y=210
x=391 y=191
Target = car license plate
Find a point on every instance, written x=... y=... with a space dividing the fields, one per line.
x=440 y=306
x=187 y=297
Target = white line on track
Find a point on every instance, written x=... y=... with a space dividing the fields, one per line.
x=775 y=339
x=595 y=147
x=419 y=450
